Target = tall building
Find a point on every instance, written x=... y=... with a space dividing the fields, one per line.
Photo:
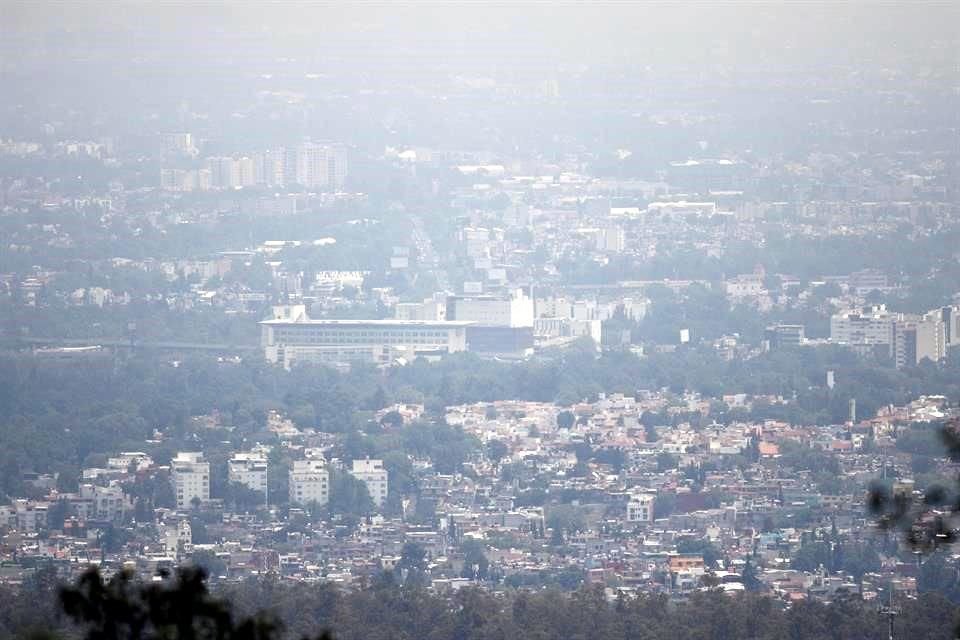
x=322 y=166
x=245 y=172
x=870 y=326
x=250 y=470
x=372 y=474
x=269 y=167
x=909 y=338
x=950 y=316
x=309 y=482
x=224 y=172
x=919 y=338
x=191 y=478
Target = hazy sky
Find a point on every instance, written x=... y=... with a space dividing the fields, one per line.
x=554 y=31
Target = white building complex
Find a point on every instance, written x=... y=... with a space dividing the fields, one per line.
x=868 y=326
x=309 y=482
x=191 y=478
x=290 y=336
x=907 y=338
x=372 y=474
x=250 y=470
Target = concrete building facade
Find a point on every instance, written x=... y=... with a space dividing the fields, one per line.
x=191 y=478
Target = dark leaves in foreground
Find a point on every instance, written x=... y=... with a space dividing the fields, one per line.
x=927 y=521
x=180 y=608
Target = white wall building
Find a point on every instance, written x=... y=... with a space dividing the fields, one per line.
x=178 y=538
x=428 y=310
x=611 y=239
x=916 y=339
x=372 y=473
x=191 y=478
x=320 y=165
x=746 y=285
x=870 y=326
x=293 y=337
x=309 y=482
x=513 y=311
x=250 y=470
x=137 y=459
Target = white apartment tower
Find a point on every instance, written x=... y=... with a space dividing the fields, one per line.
x=321 y=166
x=250 y=470
x=224 y=172
x=916 y=339
x=268 y=167
x=191 y=478
x=309 y=482
x=372 y=474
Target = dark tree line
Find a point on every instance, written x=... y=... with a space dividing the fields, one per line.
x=182 y=608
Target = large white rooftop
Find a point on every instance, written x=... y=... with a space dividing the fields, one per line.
x=388 y=322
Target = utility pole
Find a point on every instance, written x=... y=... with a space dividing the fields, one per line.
x=891 y=612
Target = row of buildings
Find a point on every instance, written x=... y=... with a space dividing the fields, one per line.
x=510 y=324
x=308 y=479
x=312 y=165
x=906 y=338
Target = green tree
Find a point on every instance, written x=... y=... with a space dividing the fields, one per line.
x=475 y=563
x=348 y=495
x=496 y=450
x=413 y=564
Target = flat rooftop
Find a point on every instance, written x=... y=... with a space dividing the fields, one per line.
x=450 y=324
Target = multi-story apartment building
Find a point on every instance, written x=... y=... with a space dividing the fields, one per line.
x=224 y=172
x=94 y=502
x=372 y=474
x=909 y=338
x=869 y=326
x=269 y=167
x=250 y=470
x=309 y=482
x=640 y=507
x=191 y=478
x=950 y=316
x=320 y=165
x=919 y=338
